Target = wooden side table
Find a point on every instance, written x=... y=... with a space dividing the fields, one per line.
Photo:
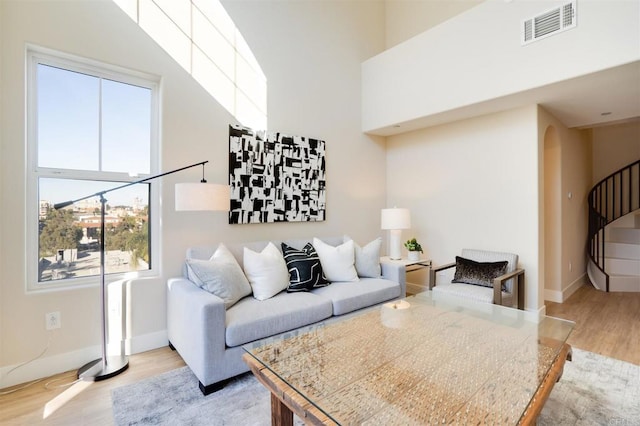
x=410 y=266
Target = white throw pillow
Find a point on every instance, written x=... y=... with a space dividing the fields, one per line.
x=267 y=271
x=220 y=275
x=338 y=263
x=367 y=258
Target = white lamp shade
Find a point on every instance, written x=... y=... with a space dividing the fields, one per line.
x=395 y=219
x=202 y=196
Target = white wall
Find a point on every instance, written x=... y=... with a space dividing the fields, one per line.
x=311 y=54
x=576 y=170
x=614 y=147
x=472 y=184
x=478 y=57
x=566 y=218
x=2 y=176
x=552 y=211
x=408 y=18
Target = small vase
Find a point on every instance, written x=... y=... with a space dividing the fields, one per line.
x=414 y=255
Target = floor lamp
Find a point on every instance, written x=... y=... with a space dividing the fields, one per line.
x=189 y=196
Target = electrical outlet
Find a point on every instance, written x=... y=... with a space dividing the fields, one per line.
x=52 y=321
x=570 y=267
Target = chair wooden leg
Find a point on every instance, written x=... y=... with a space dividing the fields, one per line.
x=521 y=291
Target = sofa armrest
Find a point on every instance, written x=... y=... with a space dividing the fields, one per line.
x=196 y=324
x=397 y=273
x=434 y=270
x=517 y=291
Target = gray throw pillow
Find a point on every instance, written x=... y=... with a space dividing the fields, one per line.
x=221 y=275
x=367 y=258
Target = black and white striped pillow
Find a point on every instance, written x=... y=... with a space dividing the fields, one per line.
x=305 y=269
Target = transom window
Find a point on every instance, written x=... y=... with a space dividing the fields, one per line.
x=91 y=127
x=203 y=39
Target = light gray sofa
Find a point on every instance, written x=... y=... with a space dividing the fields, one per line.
x=210 y=338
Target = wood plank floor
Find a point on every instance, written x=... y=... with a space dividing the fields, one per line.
x=91 y=405
x=606 y=323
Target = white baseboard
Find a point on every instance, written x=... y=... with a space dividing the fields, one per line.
x=73 y=360
x=47 y=366
x=573 y=287
x=560 y=296
x=553 y=296
x=147 y=342
x=542 y=312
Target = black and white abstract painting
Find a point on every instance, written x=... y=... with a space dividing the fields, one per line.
x=275 y=177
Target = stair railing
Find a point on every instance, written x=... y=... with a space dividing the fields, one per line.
x=613 y=197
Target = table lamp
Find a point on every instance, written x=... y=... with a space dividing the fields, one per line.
x=395 y=220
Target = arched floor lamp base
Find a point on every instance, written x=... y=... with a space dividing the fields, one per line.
x=96 y=370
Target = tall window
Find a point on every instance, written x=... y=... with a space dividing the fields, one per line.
x=91 y=127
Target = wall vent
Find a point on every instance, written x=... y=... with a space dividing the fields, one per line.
x=552 y=22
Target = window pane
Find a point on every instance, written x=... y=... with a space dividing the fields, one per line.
x=126 y=128
x=69 y=239
x=68 y=119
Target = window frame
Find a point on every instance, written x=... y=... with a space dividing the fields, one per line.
x=38 y=55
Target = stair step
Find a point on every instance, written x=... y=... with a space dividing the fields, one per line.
x=626 y=221
x=622 y=250
x=624 y=283
x=623 y=235
x=622 y=266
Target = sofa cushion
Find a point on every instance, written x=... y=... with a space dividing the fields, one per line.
x=252 y=319
x=266 y=271
x=350 y=296
x=305 y=269
x=472 y=292
x=338 y=262
x=221 y=275
x=478 y=273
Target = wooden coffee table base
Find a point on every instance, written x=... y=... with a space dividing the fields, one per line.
x=542 y=394
x=285 y=400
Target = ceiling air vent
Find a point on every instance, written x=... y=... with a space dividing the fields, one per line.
x=552 y=22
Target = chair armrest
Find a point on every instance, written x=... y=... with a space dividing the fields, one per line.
x=508 y=275
x=518 y=288
x=434 y=270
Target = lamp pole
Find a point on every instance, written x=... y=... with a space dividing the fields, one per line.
x=105 y=367
x=109 y=366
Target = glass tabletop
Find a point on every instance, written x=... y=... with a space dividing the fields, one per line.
x=420 y=360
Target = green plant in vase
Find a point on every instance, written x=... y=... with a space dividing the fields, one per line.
x=414 y=248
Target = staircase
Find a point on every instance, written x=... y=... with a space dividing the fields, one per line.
x=614 y=231
x=622 y=248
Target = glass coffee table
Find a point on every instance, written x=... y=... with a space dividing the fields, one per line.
x=416 y=361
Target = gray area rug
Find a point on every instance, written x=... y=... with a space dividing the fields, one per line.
x=594 y=390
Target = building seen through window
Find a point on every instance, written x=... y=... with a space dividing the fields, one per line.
x=92 y=129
